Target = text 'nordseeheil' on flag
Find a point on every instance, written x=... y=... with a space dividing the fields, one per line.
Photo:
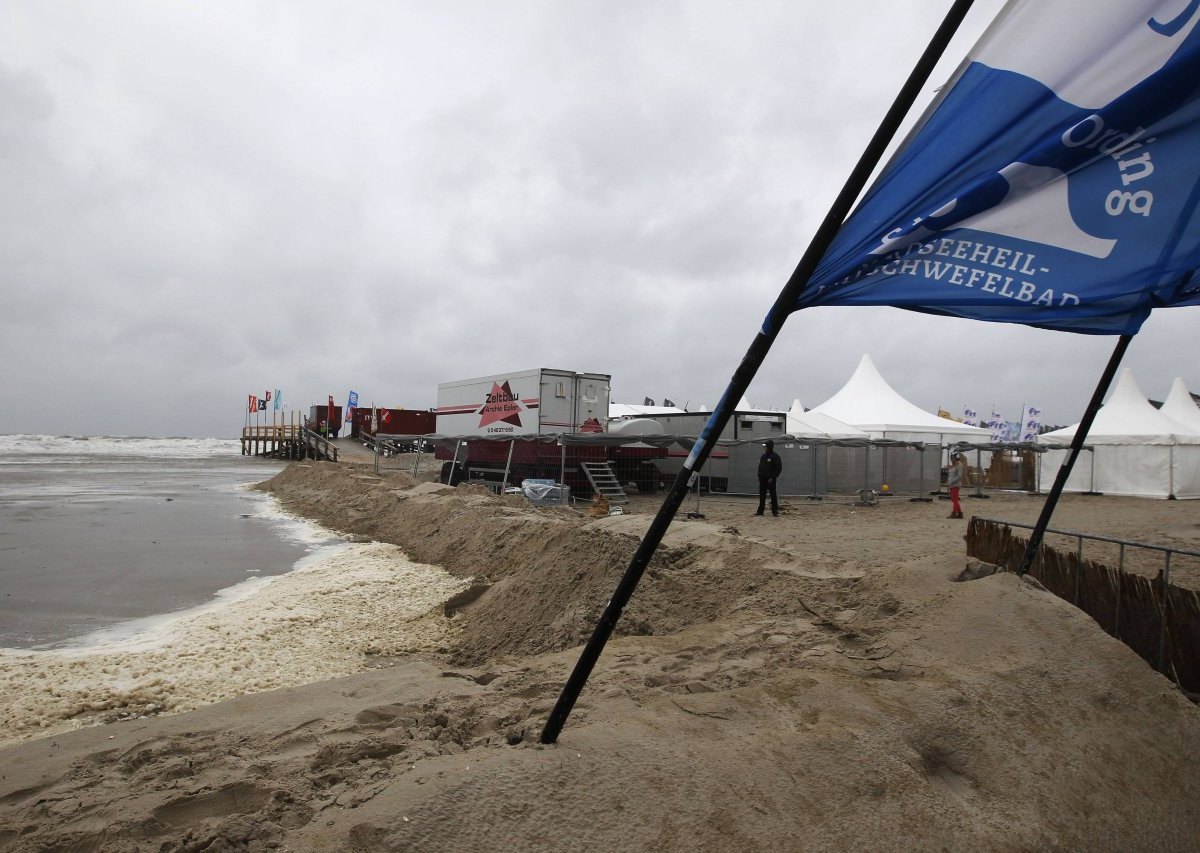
x=1054 y=182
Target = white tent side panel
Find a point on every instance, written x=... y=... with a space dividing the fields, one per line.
x=1187 y=471
x=1133 y=470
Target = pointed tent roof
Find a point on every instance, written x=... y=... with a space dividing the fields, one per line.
x=627 y=410
x=869 y=403
x=744 y=407
x=1181 y=406
x=1127 y=418
x=801 y=423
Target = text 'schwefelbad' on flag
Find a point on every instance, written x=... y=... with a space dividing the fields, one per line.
x=1054 y=182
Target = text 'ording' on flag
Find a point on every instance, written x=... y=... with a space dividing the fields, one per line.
x=1054 y=182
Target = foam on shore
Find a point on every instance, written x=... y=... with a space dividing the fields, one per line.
x=339 y=611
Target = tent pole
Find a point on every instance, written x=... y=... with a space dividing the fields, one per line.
x=1170 y=473
x=1081 y=431
x=813 y=453
x=507 y=466
x=757 y=352
x=979 y=473
x=920 y=498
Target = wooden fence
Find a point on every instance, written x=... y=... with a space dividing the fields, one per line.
x=1158 y=620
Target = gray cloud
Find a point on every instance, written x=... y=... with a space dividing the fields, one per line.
x=208 y=200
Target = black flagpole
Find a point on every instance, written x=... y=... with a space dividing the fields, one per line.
x=1081 y=431
x=740 y=381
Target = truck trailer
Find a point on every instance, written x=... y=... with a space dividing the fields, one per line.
x=501 y=416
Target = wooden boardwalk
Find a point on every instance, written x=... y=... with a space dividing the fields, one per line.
x=286 y=441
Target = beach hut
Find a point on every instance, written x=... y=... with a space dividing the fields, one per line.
x=1136 y=449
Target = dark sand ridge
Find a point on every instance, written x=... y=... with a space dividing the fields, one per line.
x=814 y=682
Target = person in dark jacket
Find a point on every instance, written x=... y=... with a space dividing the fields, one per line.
x=769 y=468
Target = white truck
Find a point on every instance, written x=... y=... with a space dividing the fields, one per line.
x=494 y=412
x=540 y=401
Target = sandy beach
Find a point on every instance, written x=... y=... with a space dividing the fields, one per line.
x=811 y=682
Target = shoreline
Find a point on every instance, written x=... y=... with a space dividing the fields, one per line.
x=815 y=676
x=90 y=545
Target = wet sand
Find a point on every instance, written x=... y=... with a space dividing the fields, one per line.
x=87 y=547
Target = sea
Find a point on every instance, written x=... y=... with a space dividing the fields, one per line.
x=101 y=535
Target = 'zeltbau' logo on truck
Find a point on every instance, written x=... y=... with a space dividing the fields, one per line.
x=500 y=406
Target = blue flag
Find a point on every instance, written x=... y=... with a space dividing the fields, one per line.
x=1054 y=182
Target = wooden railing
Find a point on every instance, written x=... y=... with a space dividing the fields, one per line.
x=286 y=441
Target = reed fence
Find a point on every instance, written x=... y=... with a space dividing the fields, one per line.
x=1159 y=620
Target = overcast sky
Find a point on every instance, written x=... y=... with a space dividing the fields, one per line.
x=199 y=201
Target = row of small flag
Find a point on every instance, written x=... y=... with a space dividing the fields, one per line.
x=268 y=400
x=273 y=400
x=1026 y=429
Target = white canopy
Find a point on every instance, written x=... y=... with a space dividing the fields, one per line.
x=744 y=407
x=801 y=423
x=869 y=403
x=1180 y=406
x=1128 y=418
x=1136 y=449
x=624 y=410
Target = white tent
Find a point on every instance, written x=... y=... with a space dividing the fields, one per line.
x=1180 y=406
x=870 y=404
x=617 y=411
x=1137 y=450
x=801 y=423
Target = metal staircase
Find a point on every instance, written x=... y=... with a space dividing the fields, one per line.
x=604 y=482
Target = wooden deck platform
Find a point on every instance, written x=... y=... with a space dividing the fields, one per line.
x=286 y=441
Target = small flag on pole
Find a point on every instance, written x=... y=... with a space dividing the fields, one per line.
x=1032 y=425
x=253 y=403
x=998 y=427
x=278 y=399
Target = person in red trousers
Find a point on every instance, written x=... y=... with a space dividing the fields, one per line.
x=954 y=480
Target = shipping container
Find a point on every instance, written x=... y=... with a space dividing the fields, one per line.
x=366 y=421
x=318 y=418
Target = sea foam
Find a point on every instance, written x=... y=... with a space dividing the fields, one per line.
x=336 y=614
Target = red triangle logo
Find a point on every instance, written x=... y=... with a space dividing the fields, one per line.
x=501 y=406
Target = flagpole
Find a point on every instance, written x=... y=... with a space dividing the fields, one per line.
x=753 y=358
x=1081 y=431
